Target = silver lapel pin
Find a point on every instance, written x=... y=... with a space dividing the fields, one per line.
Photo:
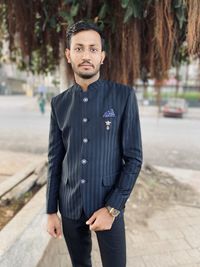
x=108 y=123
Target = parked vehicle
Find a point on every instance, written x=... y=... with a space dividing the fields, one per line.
x=175 y=107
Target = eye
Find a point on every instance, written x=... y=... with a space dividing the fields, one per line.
x=93 y=50
x=78 y=49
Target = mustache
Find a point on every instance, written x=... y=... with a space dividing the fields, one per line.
x=86 y=62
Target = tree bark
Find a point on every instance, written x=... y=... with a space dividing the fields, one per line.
x=64 y=82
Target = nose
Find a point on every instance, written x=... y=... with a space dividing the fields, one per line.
x=86 y=55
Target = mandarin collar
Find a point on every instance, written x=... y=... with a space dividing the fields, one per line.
x=91 y=88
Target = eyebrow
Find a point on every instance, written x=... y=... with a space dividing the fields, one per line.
x=89 y=45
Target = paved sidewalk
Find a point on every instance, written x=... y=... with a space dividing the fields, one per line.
x=172 y=238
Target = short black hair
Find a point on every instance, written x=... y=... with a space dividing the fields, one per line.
x=82 y=25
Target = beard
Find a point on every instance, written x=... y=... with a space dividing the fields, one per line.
x=87 y=76
x=84 y=74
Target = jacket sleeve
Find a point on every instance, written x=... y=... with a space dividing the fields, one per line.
x=132 y=155
x=56 y=152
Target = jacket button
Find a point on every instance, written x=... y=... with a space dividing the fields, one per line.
x=85 y=119
x=85 y=99
x=83 y=181
x=85 y=140
x=83 y=161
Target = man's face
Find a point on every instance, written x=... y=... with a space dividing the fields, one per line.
x=85 y=53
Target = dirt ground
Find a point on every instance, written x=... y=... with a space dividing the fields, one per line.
x=156 y=190
x=7 y=212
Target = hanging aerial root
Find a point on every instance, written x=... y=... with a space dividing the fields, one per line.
x=193 y=31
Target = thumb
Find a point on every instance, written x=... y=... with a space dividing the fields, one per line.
x=91 y=219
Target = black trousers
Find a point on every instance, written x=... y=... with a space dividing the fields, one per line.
x=112 y=243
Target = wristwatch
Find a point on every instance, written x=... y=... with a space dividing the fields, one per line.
x=114 y=212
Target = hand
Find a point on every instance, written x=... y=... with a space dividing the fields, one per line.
x=54 y=225
x=101 y=220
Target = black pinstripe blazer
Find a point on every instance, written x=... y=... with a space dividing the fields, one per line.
x=95 y=148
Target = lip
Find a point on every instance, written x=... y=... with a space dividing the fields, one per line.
x=85 y=65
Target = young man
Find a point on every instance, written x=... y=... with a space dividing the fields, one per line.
x=94 y=156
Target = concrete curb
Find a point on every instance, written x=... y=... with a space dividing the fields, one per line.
x=24 y=239
x=16 y=179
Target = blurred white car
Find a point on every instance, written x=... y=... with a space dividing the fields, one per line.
x=175 y=107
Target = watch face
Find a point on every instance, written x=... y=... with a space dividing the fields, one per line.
x=115 y=212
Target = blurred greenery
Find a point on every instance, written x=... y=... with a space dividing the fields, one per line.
x=188 y=95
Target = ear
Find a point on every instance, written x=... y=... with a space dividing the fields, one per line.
x=67 y=54
x=103 y=55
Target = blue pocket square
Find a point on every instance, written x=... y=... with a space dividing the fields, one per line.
x=109 y=113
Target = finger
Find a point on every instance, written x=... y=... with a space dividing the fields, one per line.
x=59 y=232
x=94 y=226
x=49 y=231
x=91 y=219
x=52 y=232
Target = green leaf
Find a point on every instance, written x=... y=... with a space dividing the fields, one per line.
x=101 y=25
x=67 y=17
x=134 y=8
x=64 y=15
x=103 y=11
x=177 y=3
x=74 y=10
x=124 y=3
x=52 y=22
x=137 y=7
x=58 y=27
x=128 y=14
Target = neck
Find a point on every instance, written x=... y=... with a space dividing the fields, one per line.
x=84 y=83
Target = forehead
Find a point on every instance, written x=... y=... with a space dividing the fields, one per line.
x=87 y=37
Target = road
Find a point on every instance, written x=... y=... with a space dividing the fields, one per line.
x=22 y=127
x=166 y=141
x=171 y=142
